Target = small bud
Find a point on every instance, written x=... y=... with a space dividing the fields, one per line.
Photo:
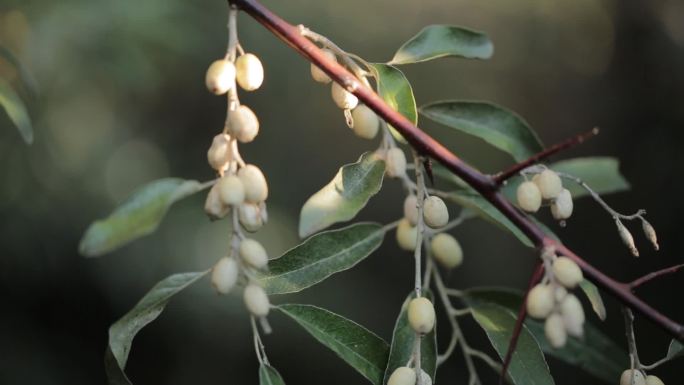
x=317 y=74
x=366 y=123
x=421 y=315
x=446 y=250
x=213 y=206
x=256 y=300
x=250 y=72
x=231 y=190
x=218 y=154
x=253 y=253
x=402 y=376
x=573 y=315
x=250 y=217
x=435 y=212
x=411 y=209
x=549 y=183
x=529 y=196
x=555 y=332
x=567 y=272
x=653 y=380
x=627 y=238
x=650 y=233
x=395 y=162
x=540 y=301
x=224 y=275
x=243 y=124
x=344 y=99
x=562 y=207
x=406 y=235
x=632 y=377
x=220 y=77
x=256 y=188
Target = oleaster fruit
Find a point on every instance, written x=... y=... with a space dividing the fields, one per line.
x=402 y=375
x=218 y=154
x=214 y=206
x=555 y=331
x=224 y=275
x=231 y=190
x=653 y=380
x=562 y=206
x=344 y=99
x=540 y=301
x=256 y=300
x=632 y=377
x=316 y=73
x=435 y=212
x=406 y=235
x=573 y=315
x=250 y=72
x=251 y=216
x=529 y=196
x=243 y=124
x=446 y=250
x=254 y=182
x=411 y=209
x=220 y=77
x=395 y=161
x=567 y=272
x=366 y=122
x=421 y=315
x=549 y=183
x=253 y=253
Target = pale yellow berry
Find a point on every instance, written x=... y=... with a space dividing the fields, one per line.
x=562 y=206
x=224 y=275
x=220 y=77
x=253 y=253
x=256 y=300
x=653 y=380
x=250 y=72
x=406 y=235
x=250 y=217
x=573 y=315
x=344 y=99
x=231 y=190
x=559 y=293
x=402 y=376
x=421 y=315
x=435 y=212
x=218 y=154
x=425 y=378
x=317 y=74
x=411 y=209
x=549 y=183
x=243 y=124
x=567 y=272
x=213 y=206
x=366 y=123
x=446 y=250
x=555 y=332
x=540 y=301
x=256 y=188
x=632 y=377
x=395 y=162
x=529 y=196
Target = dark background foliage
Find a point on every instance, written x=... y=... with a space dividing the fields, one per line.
x=122 y=102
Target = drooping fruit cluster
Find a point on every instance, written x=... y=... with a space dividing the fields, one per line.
x=545 y=186
x=550 y=300
x=637 y=377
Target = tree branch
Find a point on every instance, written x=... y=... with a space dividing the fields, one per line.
x=653 y=275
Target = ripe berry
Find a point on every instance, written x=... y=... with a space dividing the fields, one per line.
x=411 y=209
x=250 y=72
x=224 y=275
x=626 y=377
x=402 y=375
x=549 y=184
x=250 y=217
x=446 y=250
x=653 y=380
x=529 y=196
x=561 y=208
x=559 y=293
x=253 y=253
x=213 y=206
x=406 y=235
x=256 y=189
x=395 y=162
x=343 y=98
x=243 y=124
x=554 y=328
x=540 y=301
x=421 y=315
x=218 y=154
x=425 y=378
x=231 y=190
x=567 y=272
x=317 y=74
x=366 y=123
x=435 y=212
x=220 y=77
x=573 y=315
x=256 y=300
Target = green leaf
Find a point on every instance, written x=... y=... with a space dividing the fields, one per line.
x=16 y=111
x=395 y=90
x=269 y=376
x=597 y=354
x=436 y=41
x=602 y=174
x=122 y=332
x=496 y=125
x=139 y=215
x=27 y=79
x=403 y=338
x=594 y=296
x=343 y=198
x=321 y=256
x=356 y=345
x=675 y=350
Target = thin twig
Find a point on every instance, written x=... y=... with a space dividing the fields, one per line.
x=653 y=275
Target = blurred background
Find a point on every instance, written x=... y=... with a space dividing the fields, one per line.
x=122 y=102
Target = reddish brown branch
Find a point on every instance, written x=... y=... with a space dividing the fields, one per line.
x=426 y=145
x=556 y=148
x=651 y=276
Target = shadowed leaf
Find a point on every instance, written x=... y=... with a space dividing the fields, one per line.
x=436 y=41
x=395 y=90
x=16 y=111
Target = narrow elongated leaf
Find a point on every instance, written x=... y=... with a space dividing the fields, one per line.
x=321 y=256
x=395 y=90
x=122 y=332
x=597 y=354
x=343 y=198
x=26 y=77
x=496 y=125
x=269 y=376
x=436 y=41
x=16 y=111
x=403 y=339
x=356 y=345
x=594 y=296
x=139 y=215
